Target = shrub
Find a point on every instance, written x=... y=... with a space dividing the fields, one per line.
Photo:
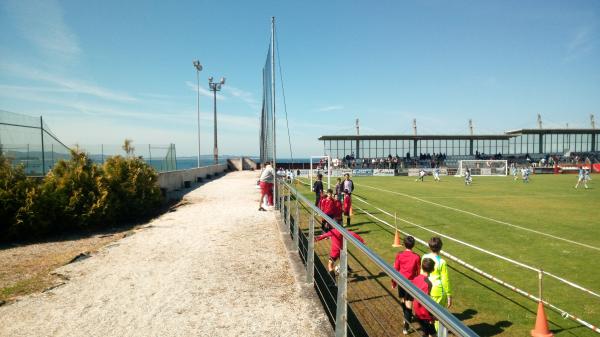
x=76 y=194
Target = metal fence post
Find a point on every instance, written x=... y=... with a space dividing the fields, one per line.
x=342 y=299
x=288 y=215
x=442 y=331
x=310 y=252
x=296 y=223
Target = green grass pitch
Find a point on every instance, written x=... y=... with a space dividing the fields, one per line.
x=563 y=239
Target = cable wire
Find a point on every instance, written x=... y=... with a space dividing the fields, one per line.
x=284 y=101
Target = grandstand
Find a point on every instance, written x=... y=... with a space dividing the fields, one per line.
x=399 y=151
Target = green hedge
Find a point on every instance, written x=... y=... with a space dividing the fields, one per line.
x=76 y=194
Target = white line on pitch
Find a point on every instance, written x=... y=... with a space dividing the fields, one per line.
x=484 y=217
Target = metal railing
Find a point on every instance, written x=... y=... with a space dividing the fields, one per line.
x=341 y=312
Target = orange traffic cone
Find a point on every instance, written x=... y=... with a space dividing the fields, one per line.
x=397 y=240
x=541 y=323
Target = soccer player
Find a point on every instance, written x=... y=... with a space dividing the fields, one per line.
x=513 y=170
x=318 y=189
x=468 y=178
x=525 y=173
x=336 y=246
x=436 y=173
x=423 y=282
x=408 y=264
x=582 y=178
x=441 y=288
x=421 y=175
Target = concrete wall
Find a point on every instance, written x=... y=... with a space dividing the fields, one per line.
x=175 y=180
x=240 y=164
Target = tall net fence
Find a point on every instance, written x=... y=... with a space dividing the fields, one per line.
x=162 y=157
x=28 y=141
x=267 y=132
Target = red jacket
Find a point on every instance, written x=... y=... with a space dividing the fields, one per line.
x=337 y=240
x=347 y=204
x=423 y=283
x=338 y=209
x=408 y=264
x=330 y=207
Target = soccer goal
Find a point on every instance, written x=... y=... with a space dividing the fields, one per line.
x=483 y=168
x=324 y=170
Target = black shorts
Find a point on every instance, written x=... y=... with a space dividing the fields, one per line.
x=403 y=294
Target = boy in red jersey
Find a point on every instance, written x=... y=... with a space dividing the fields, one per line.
x=408 y=264
x=329 y=207
x=425 y=319
x=347 y=206
x=337 y=241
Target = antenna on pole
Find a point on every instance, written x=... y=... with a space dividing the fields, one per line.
x=593 y=121
x=357 y=128
x=415 y=126
x=539 y=121
x=471 y=126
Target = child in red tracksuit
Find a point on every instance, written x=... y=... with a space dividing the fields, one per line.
x=347 y=206
x=408 y=264
x=339 y=211
x=422 y=282
x=337 y=241
x=329 y=207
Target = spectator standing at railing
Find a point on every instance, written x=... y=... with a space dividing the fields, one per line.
x=265 y=182
x=318 y=189
x=337 y=241
x=339 y=189
x=329 y=206
x=348 y=184
x=441 y=287
x=408 y=264
x=423 y=282
x=347 y=206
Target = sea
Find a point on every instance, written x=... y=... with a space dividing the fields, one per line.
x=191 y=162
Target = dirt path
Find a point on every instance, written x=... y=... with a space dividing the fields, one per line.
x=214 y=267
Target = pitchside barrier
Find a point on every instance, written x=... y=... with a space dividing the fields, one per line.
x=335 y=299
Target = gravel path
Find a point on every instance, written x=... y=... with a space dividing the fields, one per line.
x=214 y=267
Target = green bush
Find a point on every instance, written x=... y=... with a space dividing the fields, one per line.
x=76 y=194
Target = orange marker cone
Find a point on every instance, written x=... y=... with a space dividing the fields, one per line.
x=541 y=323
x=351 y=211
x=397 y=240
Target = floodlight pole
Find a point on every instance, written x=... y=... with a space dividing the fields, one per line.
x=198 y=67
x=214 y=87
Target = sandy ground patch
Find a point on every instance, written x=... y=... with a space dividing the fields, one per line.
x=214 y=267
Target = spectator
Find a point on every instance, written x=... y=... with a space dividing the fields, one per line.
x=423 y=282
x=348 y=184
x=347 y=206
x=339 y=188
x=408 y=264
x=441 y=287
x=329 y=207
x=266 y=179
x=318 y=189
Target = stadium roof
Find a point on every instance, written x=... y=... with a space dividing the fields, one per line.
x=411 y=137
x=552 y=131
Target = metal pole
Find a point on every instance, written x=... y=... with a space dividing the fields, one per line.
x=310 y=252
x=342 y=300
x=198 y=87
x=273 y=94
x=43 y=154
x=216 y=150
x=296 y=221
x=287 y=197
x=540 y=276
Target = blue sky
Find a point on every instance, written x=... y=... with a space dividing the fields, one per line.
x=103 y=71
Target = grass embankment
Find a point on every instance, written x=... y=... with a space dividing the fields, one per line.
x=549 y=205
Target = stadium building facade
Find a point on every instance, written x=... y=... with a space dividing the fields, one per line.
x=534 y=142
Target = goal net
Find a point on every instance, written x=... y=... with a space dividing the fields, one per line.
x=483 y=167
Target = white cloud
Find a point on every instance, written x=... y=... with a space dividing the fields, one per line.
x=42 y=23
x=243 y=95
x=203 y=91
x=330 y=108
x=581 y=43
x=75 y=85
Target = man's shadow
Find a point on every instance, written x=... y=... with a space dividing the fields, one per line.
x=485 y=329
